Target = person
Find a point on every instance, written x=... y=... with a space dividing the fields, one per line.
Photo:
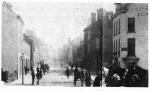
x=98 y=79
x=76 y=73
x=82 y=77
x=33 y=76
x=26 y=70
x=114 y=76
x=134 y=76
x=67 y=73
x=38 y=76
x=71 y=66
x=31 y=68
x=88 y=79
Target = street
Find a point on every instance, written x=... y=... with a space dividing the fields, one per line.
x=74 y=44
x=53 y=78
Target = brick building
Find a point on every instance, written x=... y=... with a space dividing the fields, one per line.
x=130 y=33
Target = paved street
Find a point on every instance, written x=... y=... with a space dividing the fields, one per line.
x=55 y=77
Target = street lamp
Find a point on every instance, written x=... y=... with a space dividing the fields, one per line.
x=22 y=58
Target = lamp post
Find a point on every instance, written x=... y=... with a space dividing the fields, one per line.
x=22 y=58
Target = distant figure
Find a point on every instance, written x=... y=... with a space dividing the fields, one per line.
x=67 y=73
x=38 y=77
x=76 y=72
x=71 y=66
x=38 y=74
x=26 y=70
x=82 y=77
x=31 y=69
x=33 y=76
x=88 y=79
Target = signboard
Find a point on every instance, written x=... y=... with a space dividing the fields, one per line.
x=124 y=49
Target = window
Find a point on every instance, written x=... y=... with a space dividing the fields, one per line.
x=131 y=25
x=119 y=26
x=116 y=49
x=119 y=48
x=114 y=28
x=97 y=43
x=131 y=46
x=89 y=35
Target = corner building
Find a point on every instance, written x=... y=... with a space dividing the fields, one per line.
x=130 y=33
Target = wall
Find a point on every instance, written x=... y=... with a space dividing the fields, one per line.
x=141 y=33
x=10 y=41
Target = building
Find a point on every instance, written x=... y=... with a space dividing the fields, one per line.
x=91 y=44
x=98 y=41
x=65 y=54
x=12 y=27
x=130 y=33
x=78 y=53
x=107 y=38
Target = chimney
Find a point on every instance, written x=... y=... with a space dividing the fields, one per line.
x=93 y=18
x=100 y=14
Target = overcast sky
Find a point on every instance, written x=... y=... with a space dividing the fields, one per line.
x=53 y=22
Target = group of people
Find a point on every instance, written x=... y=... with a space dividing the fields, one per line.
x=84 y=77
x=40 y=70
x=131 y=76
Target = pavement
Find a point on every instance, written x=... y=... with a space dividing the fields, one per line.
x=53 y=78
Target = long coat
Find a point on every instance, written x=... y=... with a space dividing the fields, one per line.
x=88 y=79
x=114 y=77
x=135 y=77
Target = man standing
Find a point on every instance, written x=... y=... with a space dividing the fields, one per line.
x=76 y=74
x=33 y=76
x=98 y=79
x=82 y=77
x=133 y=76
x=114 y=77
x=88 y=79
x=67 y=73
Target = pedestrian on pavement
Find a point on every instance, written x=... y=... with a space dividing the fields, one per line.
x=88 y=79
x=38 y=76
x=82 y=77
x=33 y=76
x=134 y=76
x=71 y=66
x=115 y=74
x=67 y=72
x=26 y=70
x=31 y=69
x=98 y=80
x=76 y=72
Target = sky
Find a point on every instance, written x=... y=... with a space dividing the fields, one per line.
x=55 y=22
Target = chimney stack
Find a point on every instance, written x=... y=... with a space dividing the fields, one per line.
x=93 y=18
x=100 y=14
